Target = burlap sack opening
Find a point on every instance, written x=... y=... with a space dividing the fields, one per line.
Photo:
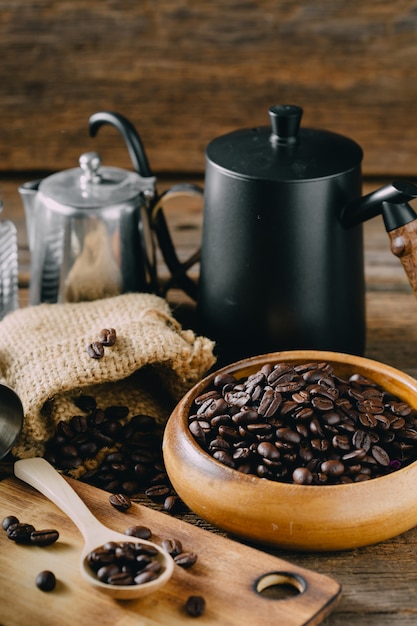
x=43 y=357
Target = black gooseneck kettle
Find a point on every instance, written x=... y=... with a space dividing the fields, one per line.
x=281 y=260
x=282 y=250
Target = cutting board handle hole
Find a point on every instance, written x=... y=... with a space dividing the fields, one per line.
x=280 y=585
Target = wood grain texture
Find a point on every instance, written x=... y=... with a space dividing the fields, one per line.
x=403 y=246
x=187 y=71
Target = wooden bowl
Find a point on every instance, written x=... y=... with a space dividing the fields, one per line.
x=299 y=517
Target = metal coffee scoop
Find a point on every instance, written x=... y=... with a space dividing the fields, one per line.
x=11 y=419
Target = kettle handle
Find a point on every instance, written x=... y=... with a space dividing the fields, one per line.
x=177 y=268
x=403 y=246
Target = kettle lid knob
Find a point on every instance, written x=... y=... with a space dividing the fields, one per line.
x=285 y=122
x=90 y=163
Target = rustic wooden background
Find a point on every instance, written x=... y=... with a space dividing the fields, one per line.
x=186 y=71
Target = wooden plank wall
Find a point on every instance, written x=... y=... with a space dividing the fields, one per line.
x=186 y=71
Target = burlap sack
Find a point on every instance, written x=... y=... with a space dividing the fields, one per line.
x=44 y=358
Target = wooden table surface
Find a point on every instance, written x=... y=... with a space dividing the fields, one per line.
x=379 y=583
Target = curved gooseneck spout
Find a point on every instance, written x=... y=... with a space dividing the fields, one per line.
x=129 y=134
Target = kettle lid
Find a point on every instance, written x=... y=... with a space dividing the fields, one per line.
x=92 y=186
x=284 y=152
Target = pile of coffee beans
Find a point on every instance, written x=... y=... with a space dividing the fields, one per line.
x=22 y=532
x=134 y=563
x=304 y=424
x=133 y=463
x=125 y=563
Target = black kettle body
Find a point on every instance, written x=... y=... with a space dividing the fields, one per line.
x=278 y=269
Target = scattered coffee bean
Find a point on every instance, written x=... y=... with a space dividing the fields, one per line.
x=95 y=350
x=141 y=532
x=158 y=492
x=46 y=580
x=8 y=521
x=171 y=503
x=44 y=537
x=304 y=424
x=172 y=546
x=120 y=501
x=185 y=559
x=26 y=533
x=20 y=533
x=85 y=403
x=134 y=463
x=195 y=606
x=107 y=336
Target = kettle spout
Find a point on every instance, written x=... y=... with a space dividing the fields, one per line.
x=385 y=201
x=28 y=192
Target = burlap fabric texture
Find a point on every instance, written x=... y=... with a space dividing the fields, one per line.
x=43 y=357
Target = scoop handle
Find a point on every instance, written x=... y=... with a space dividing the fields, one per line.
x=40 y=474
x=403 y=245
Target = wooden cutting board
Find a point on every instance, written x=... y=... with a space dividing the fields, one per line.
x=225 y=573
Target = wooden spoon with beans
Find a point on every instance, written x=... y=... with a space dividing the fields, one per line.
x=40 y=474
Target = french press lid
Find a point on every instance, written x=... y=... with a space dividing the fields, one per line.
x=284 y=152
x=94 y=186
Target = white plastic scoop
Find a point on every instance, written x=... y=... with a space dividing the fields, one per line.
x=41 y=475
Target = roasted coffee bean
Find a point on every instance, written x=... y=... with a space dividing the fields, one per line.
x=172 y=546
x=20 y=532
x=143 y=423
x=332 y=468
x=185 y=559
x=116 y=412
x=46 y=581
x=268 y=451
x=361 y=439
x=380 y=455
x=105 y=572
x=195 y=606
x=130 y=487
x=9 y=521
x=197 y=432
x=107 y=336
x=85 y=403
x=141 y=532
x=355 y=455
x=158 y=492
x=145 y=577
x=172 y=503
x=120 y=578
x=120 y=501
x=44 y=537
x=224 y=457
x=95 y=350
x=302 y=476
x=342 y=442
